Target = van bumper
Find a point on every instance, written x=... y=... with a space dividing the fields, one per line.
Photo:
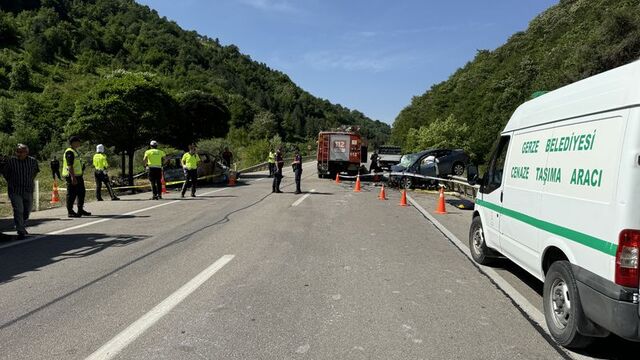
x=608 y=305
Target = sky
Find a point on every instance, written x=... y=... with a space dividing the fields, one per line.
x=368 y=55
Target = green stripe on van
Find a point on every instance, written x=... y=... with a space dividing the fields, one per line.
x=584 y=239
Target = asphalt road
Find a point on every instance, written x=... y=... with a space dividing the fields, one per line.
x=240 y=273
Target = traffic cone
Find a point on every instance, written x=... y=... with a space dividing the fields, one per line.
x=337 y=178
x=164 y=185
x=403 y=199
x=55 y=196
x=232 y=180
x=357 y=188
x=383 y=194
x=441 y=206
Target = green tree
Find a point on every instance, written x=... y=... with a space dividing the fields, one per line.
x=20 y=77
x=204 y=116
x=125 y=110
x=264 y=126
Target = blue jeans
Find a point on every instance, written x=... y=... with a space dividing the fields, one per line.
x=21 y=204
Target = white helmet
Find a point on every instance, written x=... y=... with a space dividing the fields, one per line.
x=100 y=148
x=153 y=143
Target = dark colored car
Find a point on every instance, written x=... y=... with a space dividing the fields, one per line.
x=215 y=171
x=449 y=162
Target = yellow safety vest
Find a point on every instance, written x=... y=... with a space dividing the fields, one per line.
x=190 y=161
x=100 y=161
x=154 y=157
x=272 y=158
x=77 y=163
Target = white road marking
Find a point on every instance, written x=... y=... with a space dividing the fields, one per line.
x=62 y=231
x=534 y=314
x=133 y=331
x=299 y=201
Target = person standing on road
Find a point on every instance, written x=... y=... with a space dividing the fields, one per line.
x=154 y=159
x=297 y=169
x=272 y=162
x=190 y=161
x=277 y=176
x=374 y=162
x=227 y=156
x=100 y=164
x=72 y=171
x=55 y=168
x=20 y=172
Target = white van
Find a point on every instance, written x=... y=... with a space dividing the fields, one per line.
x=561 y=198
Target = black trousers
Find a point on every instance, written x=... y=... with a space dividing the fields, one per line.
x=272 y=168
x=102 y=177
x=191 y=177
x=155 y=177
x=74 y=192
x=56 y=172
x=277 y=179
x=298 y=176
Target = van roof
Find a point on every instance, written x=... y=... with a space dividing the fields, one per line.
x=614 y=89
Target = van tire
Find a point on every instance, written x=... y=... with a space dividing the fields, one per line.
x=562 y=308
x=477 y=246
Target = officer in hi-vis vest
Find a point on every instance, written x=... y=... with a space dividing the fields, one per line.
x=72 y=171
x=100 y=164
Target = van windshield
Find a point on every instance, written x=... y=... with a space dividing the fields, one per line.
x=408 y=159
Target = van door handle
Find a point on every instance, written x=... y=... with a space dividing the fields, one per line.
x=501 y=196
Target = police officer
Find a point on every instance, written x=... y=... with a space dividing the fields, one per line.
x=153 y=160
x=297 y=169
x=100 y=164
x=272 y=162
x=72 y=171
x=277 y=176
x=190 y=161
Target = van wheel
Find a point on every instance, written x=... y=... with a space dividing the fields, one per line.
x=458 y=169
x=406 y=183
x=562 y=307
x=477 y=246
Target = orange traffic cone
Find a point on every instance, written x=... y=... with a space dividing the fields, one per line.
x=441 y=207
x=55 y=196
x=383 y=194
x=164 y=185
x=232 y=180
x=357 y=188
x=337 y=178
x=403 y=199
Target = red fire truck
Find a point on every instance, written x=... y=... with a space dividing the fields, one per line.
x=340 y=151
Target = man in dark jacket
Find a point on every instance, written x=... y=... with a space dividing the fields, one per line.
x=20 y=172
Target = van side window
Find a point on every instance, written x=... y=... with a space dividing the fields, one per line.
x=493 y=178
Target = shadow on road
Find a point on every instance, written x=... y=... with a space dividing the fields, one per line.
x=18 y=260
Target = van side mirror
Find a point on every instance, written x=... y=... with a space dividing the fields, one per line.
x=472 y=175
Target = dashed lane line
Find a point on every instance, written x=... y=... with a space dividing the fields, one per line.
x=114 y=346
x=299 y=201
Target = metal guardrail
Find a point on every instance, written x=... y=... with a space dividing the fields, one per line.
x=265 y=165
x=456 y=183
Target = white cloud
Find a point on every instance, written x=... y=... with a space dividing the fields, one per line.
x=271 y=5
x=328 y=60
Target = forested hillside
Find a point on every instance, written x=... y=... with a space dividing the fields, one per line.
x=570 y=41
x=118 y=73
